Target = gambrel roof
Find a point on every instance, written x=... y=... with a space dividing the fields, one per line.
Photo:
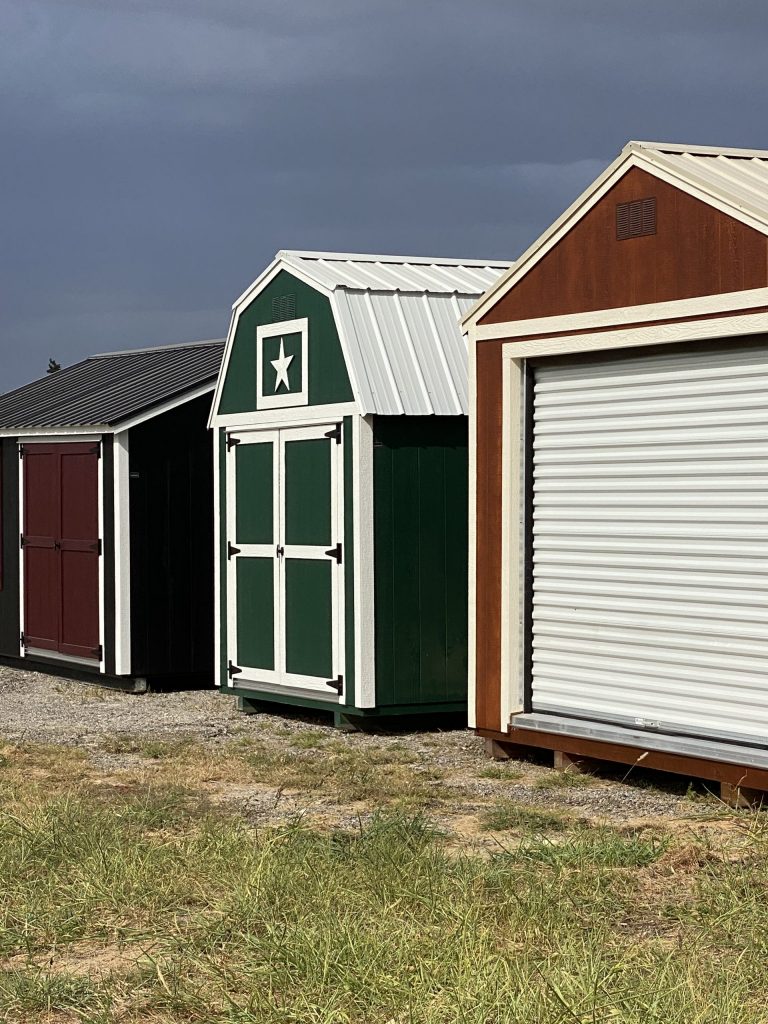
x=397 y=319
x=734 y=181
x=113 y=387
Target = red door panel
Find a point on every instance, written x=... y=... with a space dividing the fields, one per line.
x=40 y=533
x=79 y=554
x=61 y=549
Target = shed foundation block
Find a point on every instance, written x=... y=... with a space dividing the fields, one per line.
x=566 y=762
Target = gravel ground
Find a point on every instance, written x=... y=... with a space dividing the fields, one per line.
x=45 y=709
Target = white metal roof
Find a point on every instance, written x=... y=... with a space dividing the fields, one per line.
x=398 y=323
x=734 y=181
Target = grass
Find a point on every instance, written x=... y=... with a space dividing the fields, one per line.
x=505 y=815
x=501 y=772
x=126 y=898
x=564 y=779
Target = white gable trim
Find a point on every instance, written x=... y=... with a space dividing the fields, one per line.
x=633 y=155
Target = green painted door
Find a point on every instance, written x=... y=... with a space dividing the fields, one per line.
x=285 y=564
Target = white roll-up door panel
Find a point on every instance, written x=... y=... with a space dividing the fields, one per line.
x=650 y=541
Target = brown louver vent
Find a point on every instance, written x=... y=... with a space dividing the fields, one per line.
x=283 y=308
x=635 y=218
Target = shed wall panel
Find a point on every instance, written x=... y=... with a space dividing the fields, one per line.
x=9 y=577
x=420 y=546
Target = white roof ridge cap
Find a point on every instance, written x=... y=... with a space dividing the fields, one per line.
x=357 y=257
x=677 y=148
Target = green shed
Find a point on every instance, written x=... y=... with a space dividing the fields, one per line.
x=341 y=498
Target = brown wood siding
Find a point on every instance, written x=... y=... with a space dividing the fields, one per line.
x=696 y=251
x=488 y=596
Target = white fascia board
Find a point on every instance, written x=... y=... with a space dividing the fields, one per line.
x=51 y=434
x=703 y=305
x=551 y=236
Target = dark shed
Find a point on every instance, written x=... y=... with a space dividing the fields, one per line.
x=106 y=562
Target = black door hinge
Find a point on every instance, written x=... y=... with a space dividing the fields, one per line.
x=335 y=553
x=335 y=434
x=96 y=450
x=97 y=546
x=231 y=550
x=21 y=451
x=97 y=652
x=23 y=640
x=22 y=542
x=233 y=670
x=336 y=684
x=232 y=441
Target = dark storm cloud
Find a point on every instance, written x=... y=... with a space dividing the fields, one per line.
x=156 y=153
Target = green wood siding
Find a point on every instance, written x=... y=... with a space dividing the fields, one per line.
x=328 y=379
x=420 y=538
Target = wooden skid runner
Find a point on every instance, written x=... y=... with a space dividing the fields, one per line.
x=732 y=777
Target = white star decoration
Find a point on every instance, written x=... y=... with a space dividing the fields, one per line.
x=281 y=365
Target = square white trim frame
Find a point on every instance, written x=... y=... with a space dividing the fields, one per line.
x=264 y=331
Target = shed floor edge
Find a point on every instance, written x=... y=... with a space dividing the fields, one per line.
x=732 y=773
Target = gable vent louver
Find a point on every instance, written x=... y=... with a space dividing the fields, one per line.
x=635 y=218
x=283 y=308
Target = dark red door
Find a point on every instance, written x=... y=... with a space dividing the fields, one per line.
x=61 y=549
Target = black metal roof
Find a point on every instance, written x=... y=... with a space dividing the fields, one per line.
x=105 y=389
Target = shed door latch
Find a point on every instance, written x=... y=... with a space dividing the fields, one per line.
x=335 y=553
x=233 y=670
x=336 y=684
x=335 y=434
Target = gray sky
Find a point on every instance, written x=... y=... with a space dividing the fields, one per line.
x=154 y=154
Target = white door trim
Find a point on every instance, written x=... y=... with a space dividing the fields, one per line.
x=362 y=522
x=514 y=356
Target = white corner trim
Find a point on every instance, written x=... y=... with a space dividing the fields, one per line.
x=512 y=540
x=635 y=337
x=726 y=302
x=286 y=398
x=103 y=483
x=121 y=458
x=362 y=504
x=217 y=529
x=472 y=533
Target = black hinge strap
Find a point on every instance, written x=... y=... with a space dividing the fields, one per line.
x=232 y=441
x=231 y=550
x=335 y=434
x=96 y=450
x=21 y=451
x=22 y=541
x=233 y=670
x=336 y=684
x=335 y=553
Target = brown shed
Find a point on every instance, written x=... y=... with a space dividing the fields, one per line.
x=619 y=473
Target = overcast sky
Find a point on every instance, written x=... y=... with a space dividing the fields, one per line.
x=155 y=154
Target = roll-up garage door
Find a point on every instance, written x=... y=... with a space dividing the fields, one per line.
x=650 y=542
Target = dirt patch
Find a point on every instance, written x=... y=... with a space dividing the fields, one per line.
x=83 y=959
